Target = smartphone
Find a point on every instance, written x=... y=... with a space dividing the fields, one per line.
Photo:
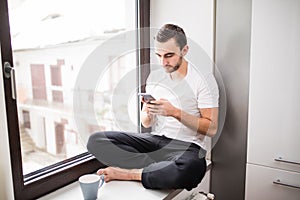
x=147 y=97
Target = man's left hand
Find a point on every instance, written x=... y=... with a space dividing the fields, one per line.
x=162 y=107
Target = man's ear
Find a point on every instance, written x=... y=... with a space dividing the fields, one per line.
x=184 y=50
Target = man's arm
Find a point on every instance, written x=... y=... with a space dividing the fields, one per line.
x=206 y=124
x=146 y=117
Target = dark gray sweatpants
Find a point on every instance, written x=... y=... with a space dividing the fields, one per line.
x=166 y=163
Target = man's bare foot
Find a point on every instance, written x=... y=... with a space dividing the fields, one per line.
x=115 y=173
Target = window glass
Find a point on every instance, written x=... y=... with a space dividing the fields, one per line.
x=51 y=39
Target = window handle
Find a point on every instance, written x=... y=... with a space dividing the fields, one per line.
x=279 y=182
x=280 y=159
x=9 y=72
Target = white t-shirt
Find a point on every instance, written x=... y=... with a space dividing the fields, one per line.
x=195 y=91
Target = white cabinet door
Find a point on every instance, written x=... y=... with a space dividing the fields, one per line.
x=264 y=183
x=274 y=99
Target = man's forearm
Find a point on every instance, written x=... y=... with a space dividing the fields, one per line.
x=203 y=125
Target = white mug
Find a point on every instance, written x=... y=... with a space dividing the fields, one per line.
x=89 y=184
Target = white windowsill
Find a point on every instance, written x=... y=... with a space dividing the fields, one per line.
x=114 y=190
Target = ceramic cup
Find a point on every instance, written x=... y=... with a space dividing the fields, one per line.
x=89 y=184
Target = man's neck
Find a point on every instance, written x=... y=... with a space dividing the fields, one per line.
x=181 y=72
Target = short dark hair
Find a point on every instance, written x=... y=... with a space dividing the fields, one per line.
x=169 y=31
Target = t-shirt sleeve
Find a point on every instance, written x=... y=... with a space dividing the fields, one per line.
x=208 y=92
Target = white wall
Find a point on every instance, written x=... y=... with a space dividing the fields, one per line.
x=6 y=186
x=194 y=16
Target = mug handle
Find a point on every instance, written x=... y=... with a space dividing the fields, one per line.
x=101 y=180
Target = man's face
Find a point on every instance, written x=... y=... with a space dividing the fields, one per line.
x=169 y=55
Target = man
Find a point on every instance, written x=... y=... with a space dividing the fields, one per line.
x=184 y=113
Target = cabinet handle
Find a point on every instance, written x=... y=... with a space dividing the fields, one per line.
x=278 y=182
x=280 y=159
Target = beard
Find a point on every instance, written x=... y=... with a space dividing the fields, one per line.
x=170 y=68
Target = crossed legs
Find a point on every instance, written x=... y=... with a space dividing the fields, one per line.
x=158 y=162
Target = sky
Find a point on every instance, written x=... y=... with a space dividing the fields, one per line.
x=38 y=23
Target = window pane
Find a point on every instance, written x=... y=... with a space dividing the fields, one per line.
x=49 y=51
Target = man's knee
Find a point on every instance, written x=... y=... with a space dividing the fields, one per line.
x=192 y=173
x=94 y=141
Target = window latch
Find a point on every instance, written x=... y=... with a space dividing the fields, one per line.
x=9 y=72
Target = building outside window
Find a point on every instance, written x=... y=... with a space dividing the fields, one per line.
x=48 y=54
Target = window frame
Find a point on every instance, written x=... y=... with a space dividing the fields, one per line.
x=53 y=177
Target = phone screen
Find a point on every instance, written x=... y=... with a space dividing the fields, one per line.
x=147 y=97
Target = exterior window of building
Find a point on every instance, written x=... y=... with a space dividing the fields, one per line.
x=57 y=96
x=26 y=119
x=56 y=82
x=56 y=75
x=38 y=83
